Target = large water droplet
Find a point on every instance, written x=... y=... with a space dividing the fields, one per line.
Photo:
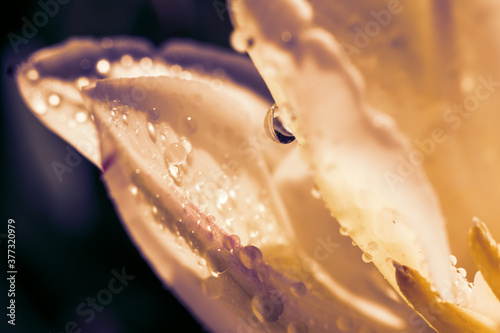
x=296 y=327
x=275 y=128
x=175 y=154
x=218 y=260
x=267 y=307
x=251 y=256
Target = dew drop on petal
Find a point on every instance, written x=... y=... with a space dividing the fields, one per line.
x=366 y=257
x=126 y=60
x=344 y=231
x=453 y=260
x=82 y=82
x=297 y=327
x=251 y=256
x=218 y=260
x=187 y=145
x=33 y=75
x=175 y=154
x=133 y=189
x=267 y=307
x=54 y=100
x=232 y=241
x=221 y=196
x=240 y=41
x=153 y=114
x=315 y=192
x=146 y=63
x=286 y=36
x=274 y=127
x=81 y=117
x=151 y=132
x=103 y=66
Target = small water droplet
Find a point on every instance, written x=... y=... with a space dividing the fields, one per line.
x=462 y=271
x=240 y=41
x=274 y=127
x=251 y=256
x=344 y=324
x=133 y=189
x=81 y=117
x=146 y=63
x=175 y=154
x=315 y=192
x=126 y=60
x=221 y=196
x=344 y=231
x=103 y=66
x=231 y=242
x=82 y=82
x=366 y=257
x=298 y=289
x=153 y=114
x=296 y=327
x=33 y=75
x=54 y=99
x=286 y=36
x=267 y=307
x=218 y=260
x=151 y=131
x=453 y=260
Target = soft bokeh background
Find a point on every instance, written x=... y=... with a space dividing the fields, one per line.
x=68 y=237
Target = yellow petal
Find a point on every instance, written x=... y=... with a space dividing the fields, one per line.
x=442 y=315
x=486 y=254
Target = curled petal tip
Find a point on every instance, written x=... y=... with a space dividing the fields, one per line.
x=486 y=254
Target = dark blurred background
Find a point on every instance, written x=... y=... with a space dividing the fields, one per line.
x=68 y=237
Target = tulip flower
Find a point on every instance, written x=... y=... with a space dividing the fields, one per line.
x=344 y=229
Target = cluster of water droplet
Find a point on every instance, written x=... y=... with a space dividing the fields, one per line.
x=463 y=287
